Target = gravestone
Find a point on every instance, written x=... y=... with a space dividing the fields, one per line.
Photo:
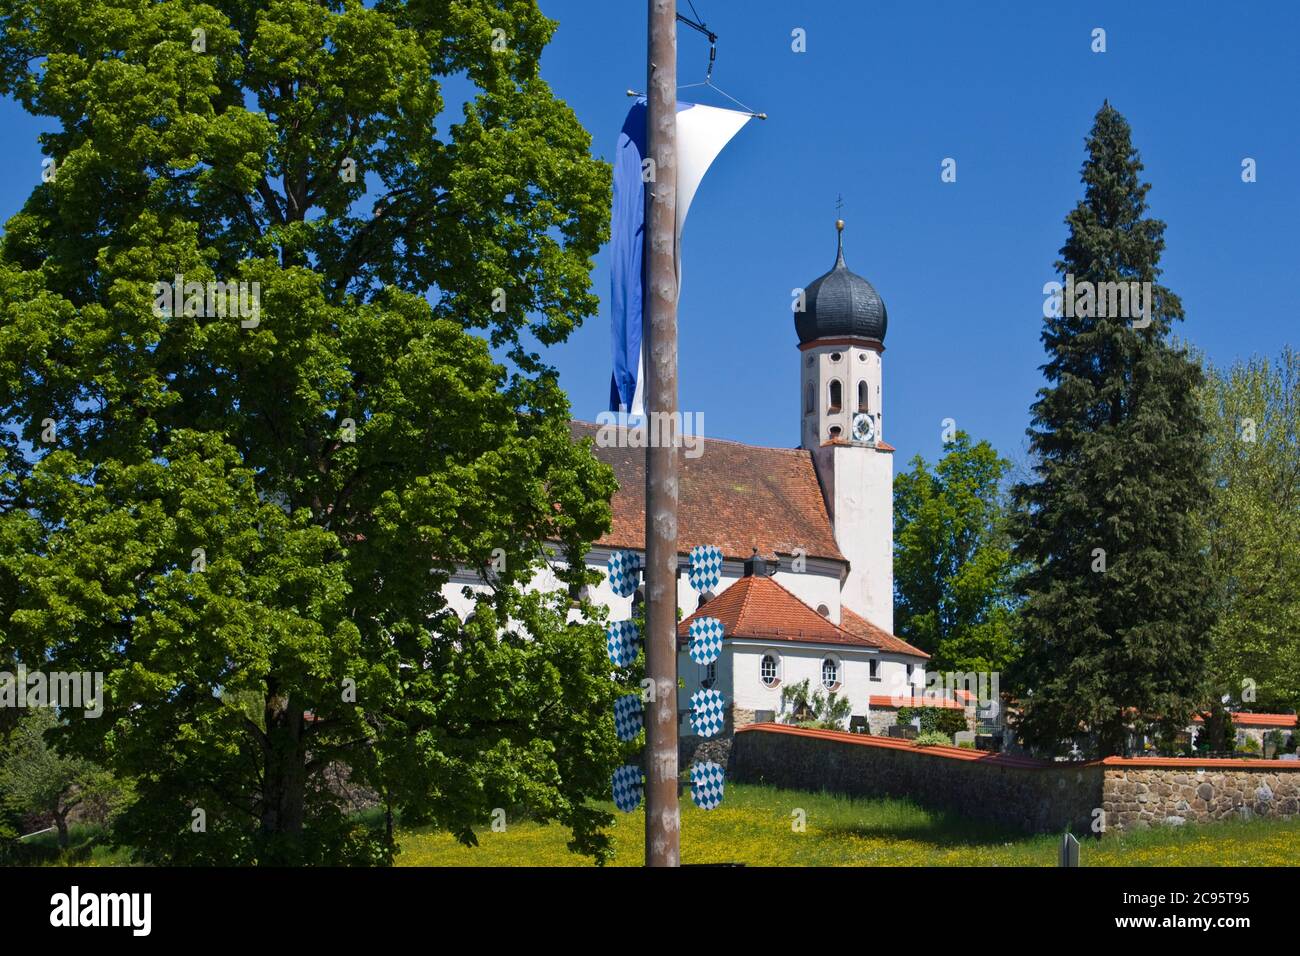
x=1069 y=850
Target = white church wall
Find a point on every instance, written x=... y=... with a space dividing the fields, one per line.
x=797 y=662
x=863 y=509
x=818 y=585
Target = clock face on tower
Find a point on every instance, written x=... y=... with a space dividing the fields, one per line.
x=864 y=427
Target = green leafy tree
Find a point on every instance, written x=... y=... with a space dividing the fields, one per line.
x=247 y=521
x=953 y=570
x=1116 y=605
x=811 y=708
x=1254 y=647
x=37 y=779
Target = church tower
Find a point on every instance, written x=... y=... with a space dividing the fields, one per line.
x=841 y=329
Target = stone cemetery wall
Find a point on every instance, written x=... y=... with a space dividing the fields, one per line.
x=1142 y=792
x=1032 y=795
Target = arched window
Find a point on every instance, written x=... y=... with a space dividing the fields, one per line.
x=810 y=399
x=768 y=670
x=708 y=674
x=862 y=396
x=831 y=674
x=837 y=397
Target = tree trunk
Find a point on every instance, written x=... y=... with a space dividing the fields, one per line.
x=284 y=786
x=61 y=822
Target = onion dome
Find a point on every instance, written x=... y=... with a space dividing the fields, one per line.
x=841 y=304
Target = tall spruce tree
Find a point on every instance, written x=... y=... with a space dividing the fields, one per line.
x=1116 y=611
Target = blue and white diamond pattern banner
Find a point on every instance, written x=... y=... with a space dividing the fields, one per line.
x=706 y=639
x=707 y=784
x=708 y=713
x=706 y=567
x=627 y=787
x=623 y=568
x=629 y=716
x=622 y=640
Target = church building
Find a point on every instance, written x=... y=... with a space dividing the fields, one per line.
x=806 y=533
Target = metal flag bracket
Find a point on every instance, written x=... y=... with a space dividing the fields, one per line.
x=712 y=37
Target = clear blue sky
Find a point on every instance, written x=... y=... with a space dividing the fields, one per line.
x=883 y=94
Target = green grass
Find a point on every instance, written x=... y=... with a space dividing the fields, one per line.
x=754 y=826
x=86 y=848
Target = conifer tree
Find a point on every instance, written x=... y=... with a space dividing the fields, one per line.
x=1116 y=608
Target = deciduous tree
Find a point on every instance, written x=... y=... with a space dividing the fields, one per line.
x=246 y=521
x=953 y=571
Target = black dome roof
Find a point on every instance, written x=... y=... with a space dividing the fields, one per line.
x=841 y=304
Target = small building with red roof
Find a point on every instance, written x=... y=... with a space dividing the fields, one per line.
x=772 y=640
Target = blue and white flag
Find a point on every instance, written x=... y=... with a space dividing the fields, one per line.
x=708 y=781
x=702 y=132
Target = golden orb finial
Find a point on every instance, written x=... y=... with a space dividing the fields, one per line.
x=839 y=225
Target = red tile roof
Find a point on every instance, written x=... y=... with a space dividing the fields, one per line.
x=888 y=700
x=899 y=743
x=1247 y=719
x=1016 y=760
x=856 y=624
x=757 y=606
x=1225 y=763
x=738 y=497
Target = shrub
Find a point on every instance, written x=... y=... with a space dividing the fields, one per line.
x=814 y=709
x=944 y=720
x=933 y=738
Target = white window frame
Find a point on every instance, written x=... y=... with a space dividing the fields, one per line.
x=836 y=663
x=776 y=677
x=873 y=666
